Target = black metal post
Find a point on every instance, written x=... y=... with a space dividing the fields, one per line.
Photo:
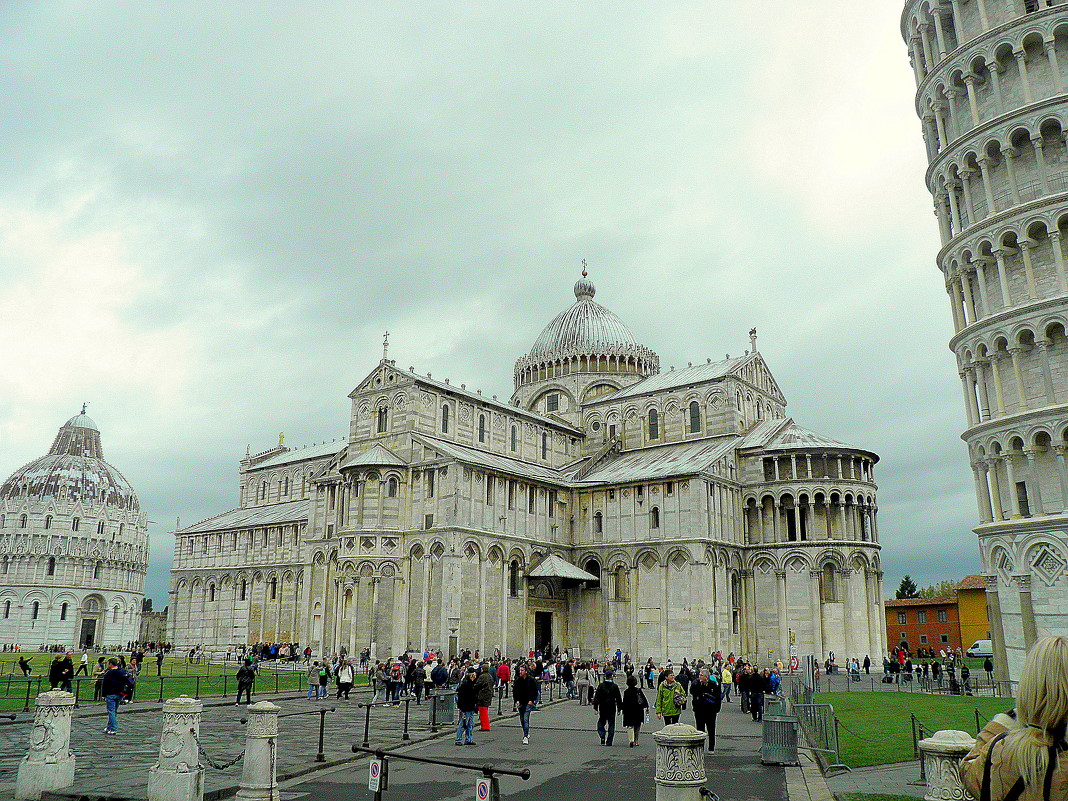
x=978 y=728
x=8 y=693
x=433 y=713
x=161 y=688
x=29 y=684
x=500 y=699
x=276 y=682
x=225 y=677
x=39 y=684
x=77 y=691
x=404 y=734
x=366 y=725
x=321 y=757
x=197 y=694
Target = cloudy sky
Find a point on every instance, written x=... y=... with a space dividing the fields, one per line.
x=210 y=212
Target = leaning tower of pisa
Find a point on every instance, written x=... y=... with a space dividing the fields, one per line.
x=991 y=94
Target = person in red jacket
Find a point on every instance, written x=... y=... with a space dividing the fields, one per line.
x=504 y=673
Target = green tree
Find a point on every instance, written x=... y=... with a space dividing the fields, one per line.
x=907 y=589
x=146 y=604
x=943 y=589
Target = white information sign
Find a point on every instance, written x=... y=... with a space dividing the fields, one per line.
x=482 y=790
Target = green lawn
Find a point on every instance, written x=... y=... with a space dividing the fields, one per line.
x=180 y=677
x=876 y=728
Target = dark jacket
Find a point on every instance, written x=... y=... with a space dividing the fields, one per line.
x=440 y=675
x=607 y=700
x=635 y=705
x=707 y=698
x=246 y=675
x=524 y=690
x=467 y=696
x=484 y=688
x=114 y=682
x=567 y=673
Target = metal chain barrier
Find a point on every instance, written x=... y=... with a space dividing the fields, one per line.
x=211 y=762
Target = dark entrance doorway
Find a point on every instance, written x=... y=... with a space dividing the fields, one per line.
x=543 y=631
x=88 y=635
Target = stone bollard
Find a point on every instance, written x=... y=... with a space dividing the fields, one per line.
x=680 y=763
x=49 y=765
x=258 y=774
x=178 y=775
x=942 y=754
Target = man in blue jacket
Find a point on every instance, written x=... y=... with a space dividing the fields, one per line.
x=113 y=684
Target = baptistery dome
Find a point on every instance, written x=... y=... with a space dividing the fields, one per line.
x=73 y=469
x=73 y=547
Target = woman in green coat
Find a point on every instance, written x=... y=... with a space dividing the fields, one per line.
x=669 y=699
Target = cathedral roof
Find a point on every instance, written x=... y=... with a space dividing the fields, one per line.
x=288 y=512
x=793 y=437
x=302 y=454
x=73 y=469
x=492 y=461
x=554 y=566
x=661 y=461
x=376 y=455
x=672 y=379
x=586 y=327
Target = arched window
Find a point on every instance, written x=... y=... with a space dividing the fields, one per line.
x=75 y=523
x=3 y=565
x=759 y=411
x=3 y=520
x=51 y=565
x=391 y=488
x=115 y=614
x=654 y=424
x=244 y=588
x=100 y=528
x=513 y=578
x=7 y=609
x=63 y=612
x=482 y=428
x=444 y=418
x=544 y=445
x=593 y=567
x=96 y=570
x=285 y=485
x=48 y=521
x=36 y=610
x=274 y=589
x=383 y=416
x=122 y=527
x=654 y=517
x=619 y=579
x=22 y=521
x=598 y=523
x=695 y=417
x=515 y=437
x=828 y=590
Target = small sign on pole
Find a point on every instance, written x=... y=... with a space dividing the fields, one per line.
x=376 y=775
x=487 y=789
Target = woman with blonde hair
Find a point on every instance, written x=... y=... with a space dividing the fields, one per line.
x=1023 y=754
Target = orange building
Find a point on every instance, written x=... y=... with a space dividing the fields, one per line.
x=972 y=610
x=928 y=623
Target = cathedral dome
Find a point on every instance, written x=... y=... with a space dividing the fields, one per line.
x=73 y=469
x=585 y=327
x=586 y=338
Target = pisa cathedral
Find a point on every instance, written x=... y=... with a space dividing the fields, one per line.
x=73 y=547
x=607 y=504
x=993 y=97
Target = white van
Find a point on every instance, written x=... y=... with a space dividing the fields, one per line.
x=981 y=648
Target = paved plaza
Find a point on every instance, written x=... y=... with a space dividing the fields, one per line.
x=564 y=756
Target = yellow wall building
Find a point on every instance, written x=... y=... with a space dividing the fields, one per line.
x=971 y=609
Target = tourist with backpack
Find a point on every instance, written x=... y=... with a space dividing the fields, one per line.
x=324 y=679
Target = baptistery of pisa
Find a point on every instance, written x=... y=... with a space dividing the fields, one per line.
x=607 y=504
x=73 y=547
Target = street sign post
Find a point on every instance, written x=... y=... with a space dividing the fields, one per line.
x=376 y=776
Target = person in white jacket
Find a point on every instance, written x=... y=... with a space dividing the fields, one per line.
x=346 y=676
